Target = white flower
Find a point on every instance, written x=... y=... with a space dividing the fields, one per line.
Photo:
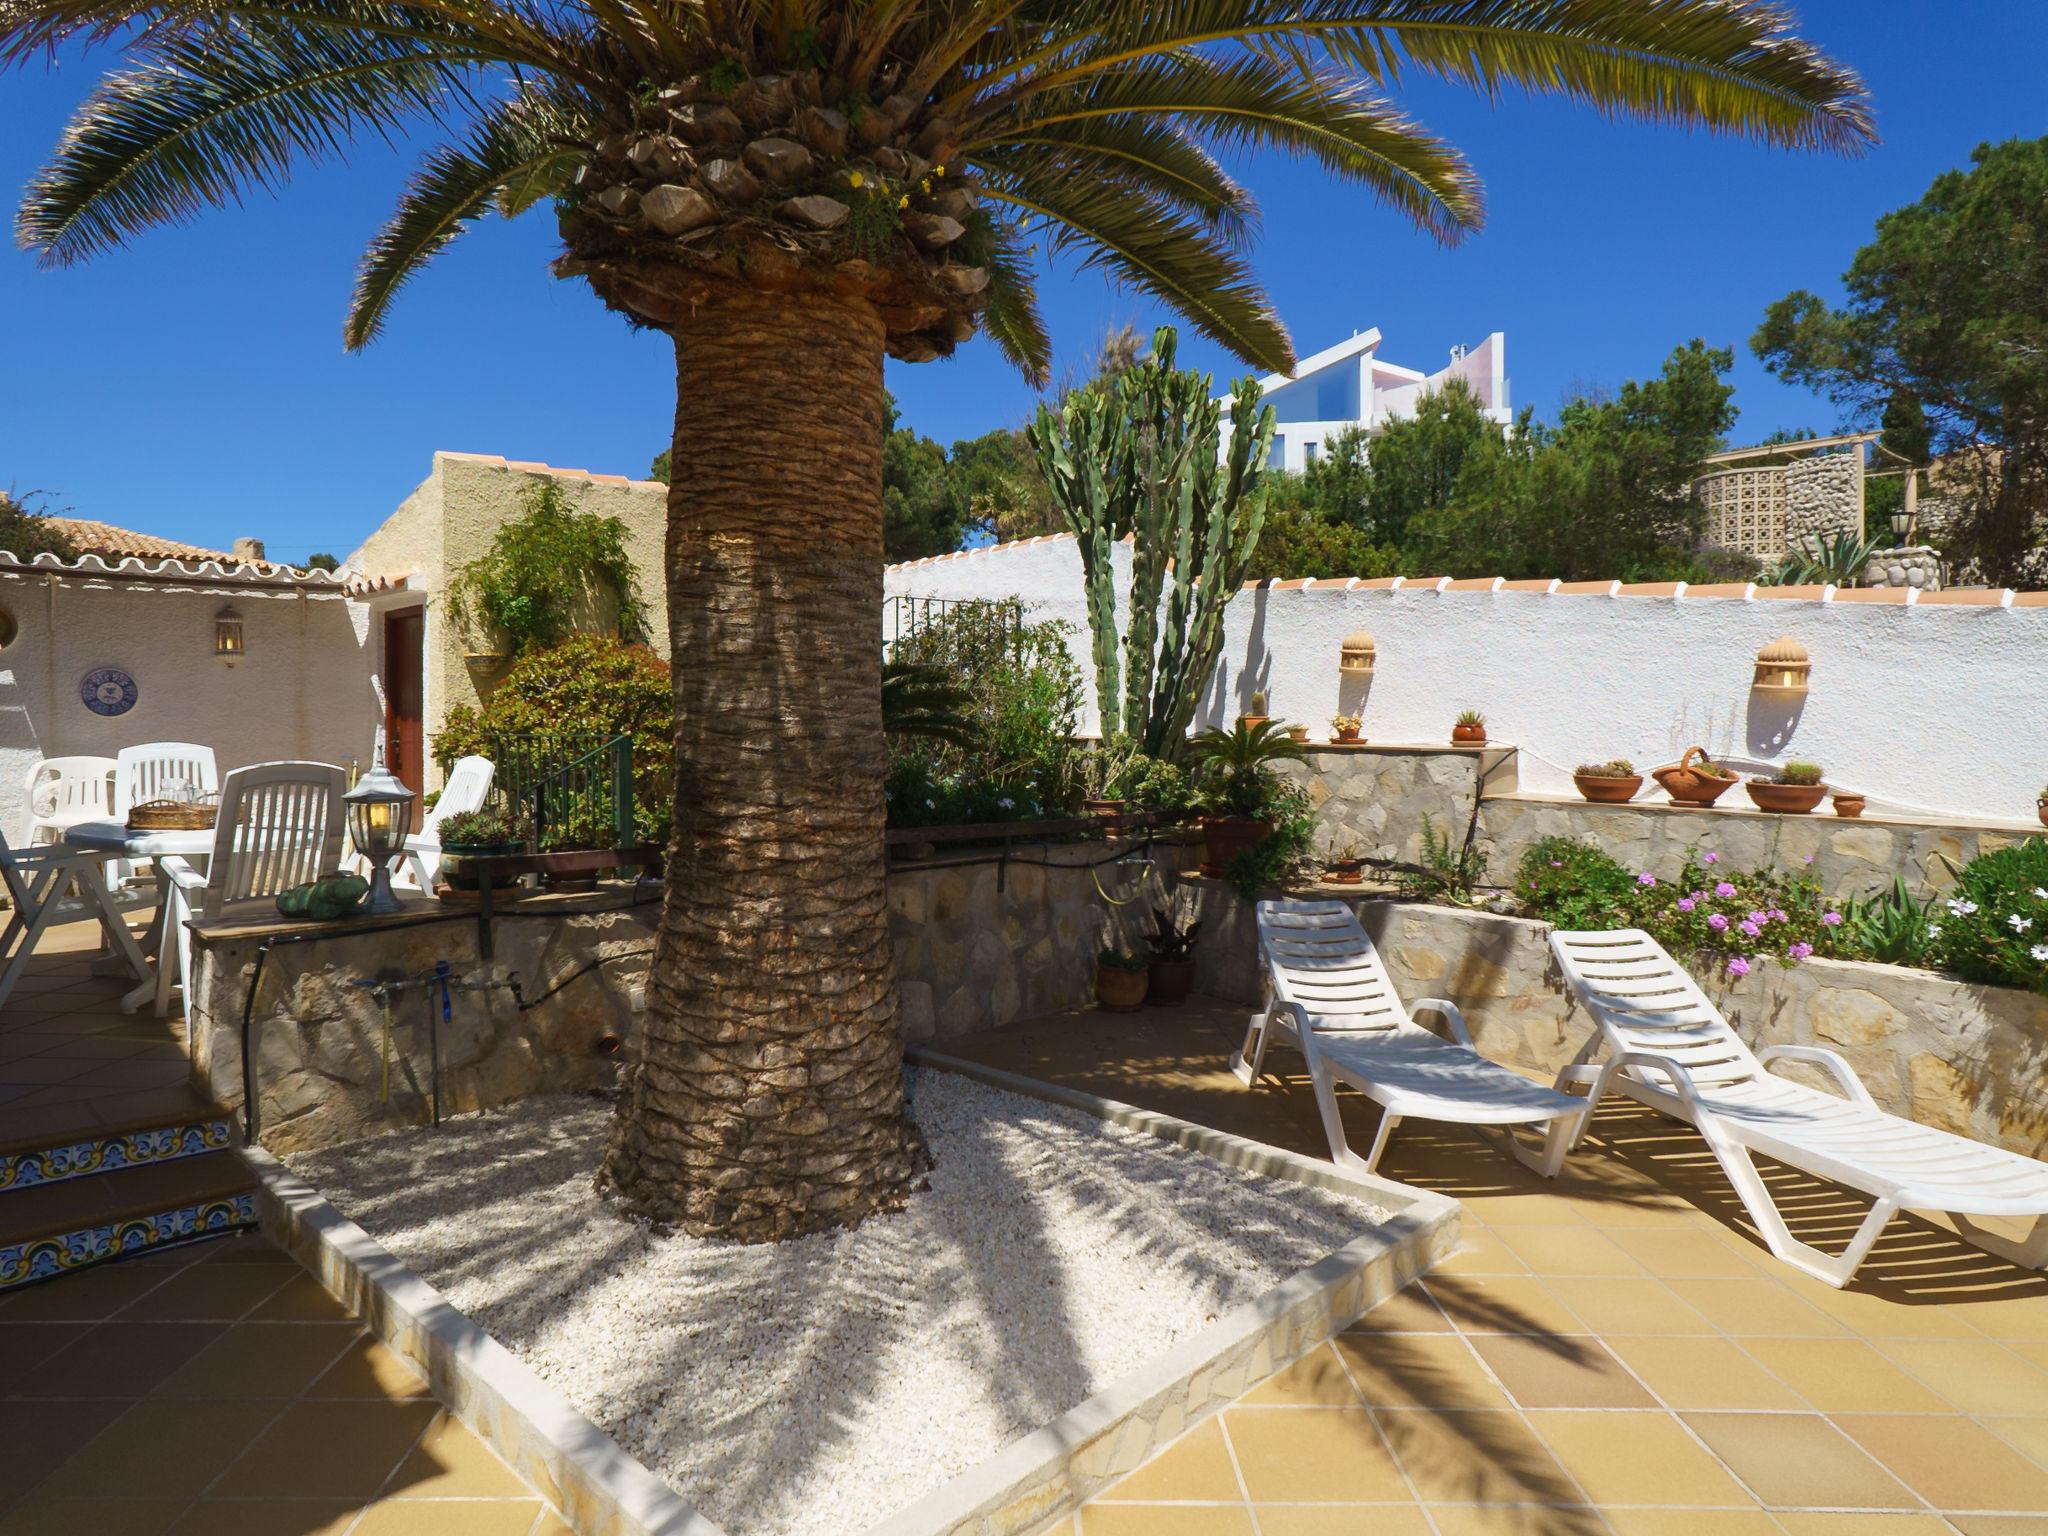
x=1007 y=803
x=2019 y=924
x=931 y=805
x=2039 y=894
x=2039 y=951
x=1960 y=907
x=1934 y=930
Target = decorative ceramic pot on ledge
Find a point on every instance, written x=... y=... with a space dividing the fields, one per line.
x=1785 y=799
x=1468 y=735
x=1345 y=872
x=1849 y=803
x=1171 y=982
x=1603 y=790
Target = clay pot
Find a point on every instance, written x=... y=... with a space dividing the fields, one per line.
x=1785 y=799
x=1297 y=733
x=1345 y=872
x=1225 y=837
x=1118 y=990
x=1686 y=785
x=1602 y=790
x=1171 y=981
x=1468 y=735
x=1103 y=807
x=1253 y=719
x=1848 y=804
x=2041 y=809
x=1350 y=735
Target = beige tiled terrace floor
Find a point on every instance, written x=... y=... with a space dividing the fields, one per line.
x=216 y=1390
x=1612 y=1353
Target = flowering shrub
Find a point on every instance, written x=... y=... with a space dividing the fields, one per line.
x=1993 y=926
x=1734 y=921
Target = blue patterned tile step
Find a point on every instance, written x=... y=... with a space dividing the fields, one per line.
x=63 y=1253
x=75 y=1159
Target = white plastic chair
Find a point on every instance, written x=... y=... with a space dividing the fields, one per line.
x=280 y=825
x=1329 y=994
x=64 y=791
x=159 y=770
x=468 y=786
x=1672 y=1049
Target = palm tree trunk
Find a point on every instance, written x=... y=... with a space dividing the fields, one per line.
x=769 y=1098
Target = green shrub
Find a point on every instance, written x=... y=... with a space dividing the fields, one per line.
x=1574 y=885
x=549 y=572
x=1993 y=927
x=1284 y=853
x=1895 y=928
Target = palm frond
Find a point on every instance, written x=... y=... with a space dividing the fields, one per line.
x=921 y=700
x=518 y=154
x=206 y=118
x=1152 y=246
x=1730 y=65
x=1255 y=103
x=1156 y=155
x=1011 y=319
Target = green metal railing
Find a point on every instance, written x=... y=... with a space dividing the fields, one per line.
x=575 y=789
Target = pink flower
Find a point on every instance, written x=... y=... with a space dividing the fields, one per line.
x=1717 y=922
x=1832 y=919
x=1799 y=951
x=1646 y=878
x=1686 y=903
x=1749 y=930
x=1778 y=916
x=1557 y=863
x=1738 y=966
x=1710 y=858
x=1759 y=918
x=1724 y=890
x=1808 y=859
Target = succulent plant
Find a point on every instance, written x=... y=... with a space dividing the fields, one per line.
x=1614 y=768
x=1799 y=773
x=1471 y=717
x=1258 y=704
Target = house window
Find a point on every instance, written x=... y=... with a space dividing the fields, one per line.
x=1309 y=452
x=1276 y=456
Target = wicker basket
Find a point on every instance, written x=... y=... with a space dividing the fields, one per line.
x=1687 y=785
x=171 y=816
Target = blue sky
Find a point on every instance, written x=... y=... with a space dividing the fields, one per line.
x=194 y=385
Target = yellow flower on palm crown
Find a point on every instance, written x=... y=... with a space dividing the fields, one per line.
x=938 y=170
x=903 y=202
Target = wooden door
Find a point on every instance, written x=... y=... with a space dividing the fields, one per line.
x=405 y=698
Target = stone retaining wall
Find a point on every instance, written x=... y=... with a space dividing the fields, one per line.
x=1376 y=796
x=1851 y=856
x=983 y=944
x=1966 y=1058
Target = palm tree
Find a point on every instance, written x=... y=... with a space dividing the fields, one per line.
x=793 y=189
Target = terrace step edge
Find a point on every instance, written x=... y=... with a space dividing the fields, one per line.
x=220 y=1200
x=31 y=1162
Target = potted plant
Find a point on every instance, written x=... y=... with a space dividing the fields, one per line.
x=1470 y=729
x=1235 y=773
x=2041 y=806
x=1849 y=803
x=473 y=835
x=1108 y=774
x=1298 y=733
x=1172 y=950
x=1608 y=783
x=1345 y=865
x=1696 y=780
x=1120 y=981
x=1344 y=727
x=1794 y=790
x=1256 y=714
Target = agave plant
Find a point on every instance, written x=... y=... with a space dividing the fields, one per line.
x=1836 y=559
x=792 y=189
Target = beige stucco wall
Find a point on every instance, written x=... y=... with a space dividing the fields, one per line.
x=305 y=688
x=451 y=518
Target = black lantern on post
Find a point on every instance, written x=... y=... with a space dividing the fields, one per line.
x=379 y=815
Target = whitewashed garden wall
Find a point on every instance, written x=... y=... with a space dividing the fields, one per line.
x=1930 y=703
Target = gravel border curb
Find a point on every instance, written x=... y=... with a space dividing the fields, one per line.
x=603 y=1491
x=599 y=1488
x=1048 y=1474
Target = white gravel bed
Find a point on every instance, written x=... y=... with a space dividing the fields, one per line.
x=817 y=1386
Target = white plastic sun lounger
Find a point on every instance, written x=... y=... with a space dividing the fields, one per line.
x=1670 y=1047
x=1329 y=995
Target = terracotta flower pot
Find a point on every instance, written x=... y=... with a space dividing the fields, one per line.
x=1469 y=735
x=1785 y=799
x=1119 y=990
x=1253 y=719
x=1103 y=807
x=1171 y=982
x=1848 y=804
x=1350 y=735
x=1602 y=790
x=1686 y=785
x=1297 y=733
x=1345 y=872
x=1225 y=837
x=2041 y=809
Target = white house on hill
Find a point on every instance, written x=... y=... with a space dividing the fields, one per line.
x=1349 y=385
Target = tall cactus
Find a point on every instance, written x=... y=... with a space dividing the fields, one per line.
x=1140 y=457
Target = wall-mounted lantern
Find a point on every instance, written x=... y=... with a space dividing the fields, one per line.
x=1782 y=669
x=1357 y=655
x=227 y=636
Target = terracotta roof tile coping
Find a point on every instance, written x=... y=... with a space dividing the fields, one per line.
x=1422 y=583
x=1966 y=597
x=1809 y=591
x=1720 y=589
x=1649 y=589
x=1875 y=594
x=1586 y=588
x=1543 y=584
x=1474 y=584
x=2027 y=600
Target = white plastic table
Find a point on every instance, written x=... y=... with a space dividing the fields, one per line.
x=114 y=840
